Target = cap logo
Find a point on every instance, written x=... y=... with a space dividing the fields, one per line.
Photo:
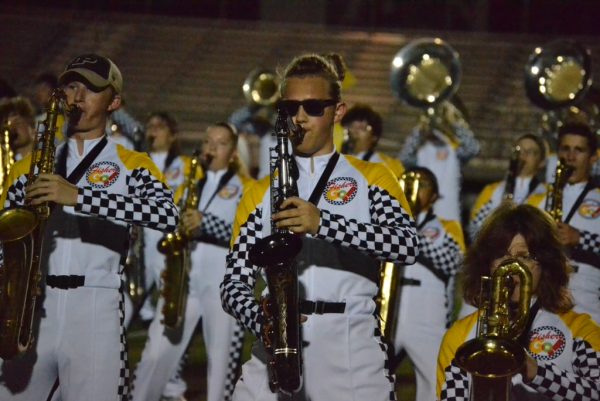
x=81 y=61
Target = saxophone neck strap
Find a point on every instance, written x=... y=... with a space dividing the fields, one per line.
x=578 y=201
x=523 y=339
x=78 y=172
x=368 y=154
x=222 y=182
x=320 y=187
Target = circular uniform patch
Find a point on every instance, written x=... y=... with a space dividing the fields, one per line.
x=341 y=190
x=589 y=209
x=102 y=174
x=431 y=233
x=228 y=191
x=546 y=343
x=172 y=174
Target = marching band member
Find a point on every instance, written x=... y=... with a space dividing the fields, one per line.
x=18 y=113
x=81 y=337
x=579 y=230
x=211 y=224
x=357 y=212
x=364 y=128
x=521 y=183
x=429 y=146
x=562 y=347
x=429 y=283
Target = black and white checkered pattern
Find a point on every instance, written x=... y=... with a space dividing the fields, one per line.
x=150 y=205
x=389 y=373
x=456 y=385
x=446 y=257
x=590 y=242
x=15 y=195
x=237 y=288
x=235 y=361
x=560 y=385
x=215 y=227
x=124 y=381
x=392 y=236
x=477 y=220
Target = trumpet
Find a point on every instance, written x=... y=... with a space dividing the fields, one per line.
x=21 y=233
x=494 y=356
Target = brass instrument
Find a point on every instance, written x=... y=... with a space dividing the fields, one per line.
x=135 y=277
x=426 y=74
x=276 y=254
x=261 y=87
x=514 y=168
x=21 y=233
x=7 y=157
x=493 y=357
x=554 y=198
x=175 y=247
x=558 y=79
x=390 y=274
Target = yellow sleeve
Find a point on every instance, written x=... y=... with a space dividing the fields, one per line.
x=18 y=169
x=454 y=338
x=136 y=160
x=393 y=164
x=483 y=198
x=582 y=326
x=537 y=199
x=252 y=197
x=380 y=175
x=455 y=231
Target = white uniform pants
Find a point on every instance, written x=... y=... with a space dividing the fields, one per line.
x=420 y=328
x=343 y=360
x=81 y=342
x=163 y=351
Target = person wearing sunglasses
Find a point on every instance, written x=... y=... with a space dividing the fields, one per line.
x=562 y=347
x=349 y=213
x=362 y=131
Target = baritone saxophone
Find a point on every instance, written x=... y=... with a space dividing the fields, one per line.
x=21 y=234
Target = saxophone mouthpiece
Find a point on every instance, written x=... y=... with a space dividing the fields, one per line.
x=205 y=160
x=296 y=131
x=74 y=114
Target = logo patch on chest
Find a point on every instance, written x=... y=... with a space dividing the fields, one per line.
x=172 y=174
x=228 y=191
x=589 y=209
x=546 y=343
x=102 y=174
x=341 y=190
x=432 y=233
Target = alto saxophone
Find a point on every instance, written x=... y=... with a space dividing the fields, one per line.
x=276 y=254
x=7 y=158
x=554 y=204
x=494 y=356
x=21 y=234
x=175 y=247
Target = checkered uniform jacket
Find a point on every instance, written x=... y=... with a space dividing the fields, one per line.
x=566 y=348
x=362 y=209
x=490 y=198
x=119 y=188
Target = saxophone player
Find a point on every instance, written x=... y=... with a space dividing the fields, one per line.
x=209 y=228
x=579 y=230
x=99 y=188
x=359 y=214
x=562 y=347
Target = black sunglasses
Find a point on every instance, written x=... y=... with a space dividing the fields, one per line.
x=312 y=107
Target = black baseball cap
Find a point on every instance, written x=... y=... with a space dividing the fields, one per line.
x=96 y=72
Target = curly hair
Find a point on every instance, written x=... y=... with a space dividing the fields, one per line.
x=328 y=66
x=539 y=232
x=364 y=112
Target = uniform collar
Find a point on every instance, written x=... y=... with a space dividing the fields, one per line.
x=312 y=165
